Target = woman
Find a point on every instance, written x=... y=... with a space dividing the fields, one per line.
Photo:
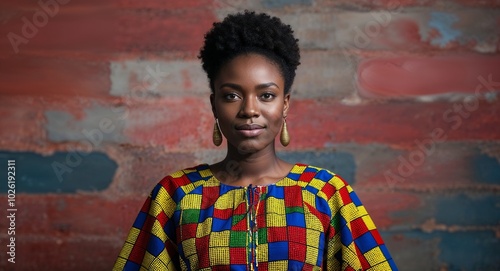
x=252 y=210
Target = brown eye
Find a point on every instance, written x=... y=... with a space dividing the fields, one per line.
x=231 y=97
x=268 y=96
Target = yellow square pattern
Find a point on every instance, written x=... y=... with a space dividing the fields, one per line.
x=278 y=265
x=262 y=252
x=204 y=228
x=219 y=256
x=368 y=222
x=374 y=256
x=275 y=206
x=191 y=201
x=219 y=239
x=189 y=245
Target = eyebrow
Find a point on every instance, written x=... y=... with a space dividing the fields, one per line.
x=238 y=87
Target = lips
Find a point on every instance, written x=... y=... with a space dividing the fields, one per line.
x=250 y=130
x=252 y=126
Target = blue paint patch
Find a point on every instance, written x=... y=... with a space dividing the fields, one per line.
x=462 y=250
x=284 y=3
x=341 y=163
x=61 y=172
x=471 y=250
x=460 y=209
x=464 y=210
x=443 y=23
x=486 y=169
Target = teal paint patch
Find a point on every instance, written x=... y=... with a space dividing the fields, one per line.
x=461 y=250
x=467 y=210
x=341 y=163
x=284 y=3
x=471 y=250
x=61 y=172
x=456 y=209
x=443 y=23
x=486 y=169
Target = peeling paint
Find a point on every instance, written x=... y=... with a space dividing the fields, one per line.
x=443 y=22
x=61 y=172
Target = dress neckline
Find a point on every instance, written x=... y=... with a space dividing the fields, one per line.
x=213 y=178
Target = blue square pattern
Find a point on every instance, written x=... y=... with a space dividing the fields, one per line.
x=276 y=191
x=155 y=245
x=310 y=169
x=293 y=176
x=206 y=213
x=195 y=175
x=178 y=194
x=324 y=175
x=197 y=191
x=221 y=224
x=169 y=229
x=345 y=235
x=155 y=191
x=139 y=221
x=236 y=267
x=312 y=189
x=131 y=266
x=365 y=242
x=296 y=219
x=278 y=251
x=385 y=251
x=295 y=265
x=355 y=199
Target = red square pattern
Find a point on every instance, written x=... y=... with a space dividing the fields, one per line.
x=328 y=189
x=362 y=259
x=210 y=195
x=297 y=234
x=293 y=196
x=377 y=237
x=307 y=176
x=358 y=227
x=202 y=245
x=297 y=252
x=139 y=249
x=238 y=255
x=276 y=234
x=187 y=231
x=344 y=194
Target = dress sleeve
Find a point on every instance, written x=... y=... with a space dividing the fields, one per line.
x=150 y=244
x=354 y=242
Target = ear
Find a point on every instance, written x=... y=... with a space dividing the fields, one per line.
x=212 y=102
x=286 y=105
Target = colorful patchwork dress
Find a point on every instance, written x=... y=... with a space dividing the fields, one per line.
x=309 y=220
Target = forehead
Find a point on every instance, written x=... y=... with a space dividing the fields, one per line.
x=248 y=66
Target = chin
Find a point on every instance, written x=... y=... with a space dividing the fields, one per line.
x=249 y=146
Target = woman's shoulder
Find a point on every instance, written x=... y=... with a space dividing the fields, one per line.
x=317 y=175
x=185 y=177
x=326 y=184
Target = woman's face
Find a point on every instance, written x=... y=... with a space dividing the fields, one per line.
x=250 y=102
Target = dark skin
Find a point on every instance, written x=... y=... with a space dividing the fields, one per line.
x=250 y=103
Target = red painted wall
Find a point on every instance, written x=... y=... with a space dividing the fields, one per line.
x=101 y=99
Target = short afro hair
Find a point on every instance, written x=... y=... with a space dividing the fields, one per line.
x=248 y=32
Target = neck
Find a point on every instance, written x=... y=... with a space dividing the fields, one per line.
x=259 y=168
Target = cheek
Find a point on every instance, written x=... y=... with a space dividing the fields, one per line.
x=275 y=117
x=225 y=110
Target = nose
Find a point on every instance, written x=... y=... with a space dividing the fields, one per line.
x=249 y=108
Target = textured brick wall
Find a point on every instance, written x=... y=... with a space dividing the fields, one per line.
x=100 y=99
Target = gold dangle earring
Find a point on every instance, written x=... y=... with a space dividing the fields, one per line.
x=284 y=137
x=217 y=135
